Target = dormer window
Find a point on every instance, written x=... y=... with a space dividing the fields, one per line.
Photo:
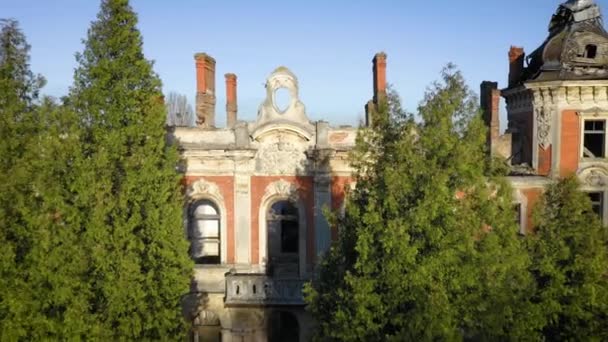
x=590 y=51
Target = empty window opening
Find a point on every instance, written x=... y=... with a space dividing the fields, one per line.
x=517 y=214
x=597 y=203
x=590 y=51
x=594 y=139
x=285 y=216
x=283 y=326
x=283 y=223
x=205 y=233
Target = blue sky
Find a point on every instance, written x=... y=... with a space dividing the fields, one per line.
x=327 y=44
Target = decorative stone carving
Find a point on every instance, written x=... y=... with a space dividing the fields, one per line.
x=281 y=157
x=594 y=177
x=294 y=113
x=282 y=188
x=206 y=317
x=202 y=188
x=543 y=126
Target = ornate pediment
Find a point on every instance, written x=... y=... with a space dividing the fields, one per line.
x=594 y=176
x=203 y=188
x=282 y=188
x=273 y=115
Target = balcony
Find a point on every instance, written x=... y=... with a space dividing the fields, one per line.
x=260 y=289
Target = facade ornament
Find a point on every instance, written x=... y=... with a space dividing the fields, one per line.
x=543 y=126
x=593 y=176
x=282 y=188
x=281 y=158
x=202 y=188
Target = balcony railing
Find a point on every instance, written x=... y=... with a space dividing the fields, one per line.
x=260 y=289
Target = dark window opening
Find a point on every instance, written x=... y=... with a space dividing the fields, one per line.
x=283 y=327
x=590 y=51
x=597 y=203
x=289 y=237
x=204 y=233
x=286 y=215
x=283 y=239
x=517 y=214
x=594 y=139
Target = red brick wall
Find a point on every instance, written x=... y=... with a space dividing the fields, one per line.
x=570 y=143
x=544 y=160
x=338 y=186
x=532 y=195
x=226 y=186
x=258 y=187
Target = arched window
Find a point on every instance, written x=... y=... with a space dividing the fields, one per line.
x=283 y=238
x=205 y=233
x=283 y=216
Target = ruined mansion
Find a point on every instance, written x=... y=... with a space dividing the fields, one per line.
x=255 y=191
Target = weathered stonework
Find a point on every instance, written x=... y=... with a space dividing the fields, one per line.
x=244 y=169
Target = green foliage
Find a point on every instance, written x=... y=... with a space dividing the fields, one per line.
x=569 y=264
x=18 y=125
x=128 y=188
x=423 y=253
x=90 y=208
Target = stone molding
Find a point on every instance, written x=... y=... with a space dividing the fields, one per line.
x=282 y=188
x=202 y=188
x=595 y=176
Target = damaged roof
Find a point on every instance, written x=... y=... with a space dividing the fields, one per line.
x=576 y=48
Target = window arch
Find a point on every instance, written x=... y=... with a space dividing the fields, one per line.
x=204 y=232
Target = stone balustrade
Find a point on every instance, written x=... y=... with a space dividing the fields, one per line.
x=260 y=289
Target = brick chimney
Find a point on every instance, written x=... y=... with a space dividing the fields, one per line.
x=205 y=90
x=379 y=70
x=231 y=102
x=516 y=64
x=379 y=74
x=490 y=101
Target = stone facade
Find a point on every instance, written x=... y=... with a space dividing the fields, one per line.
x=557 y=109
x=256 y=191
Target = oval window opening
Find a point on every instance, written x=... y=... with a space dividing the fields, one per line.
x=282 y=99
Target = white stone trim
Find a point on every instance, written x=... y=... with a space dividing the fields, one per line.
x=519 y=198
x=594 y=178
x=277 y=191
x=206 y=190
x=591 y=115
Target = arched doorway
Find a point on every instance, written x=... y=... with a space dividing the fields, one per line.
x=283 y=327
x=283 y=239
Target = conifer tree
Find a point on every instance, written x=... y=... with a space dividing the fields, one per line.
x=19 y=89
x=428 y=246
x=570 y=265
x=128 y=187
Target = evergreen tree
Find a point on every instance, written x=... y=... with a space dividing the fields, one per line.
x=19 y=88
x=570 y=265
x=428 y=246
x=128 y=187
